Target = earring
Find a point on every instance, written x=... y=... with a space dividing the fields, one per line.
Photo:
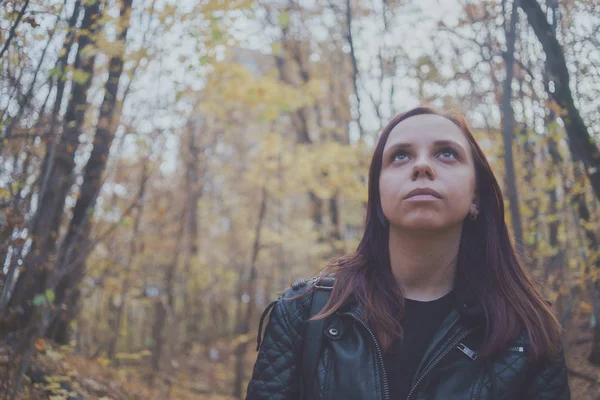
x=474 y=212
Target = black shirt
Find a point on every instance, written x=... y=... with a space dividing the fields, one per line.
x=420 y=322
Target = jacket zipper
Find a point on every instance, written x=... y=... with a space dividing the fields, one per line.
x=468 y=352
x=436 y=361
x=386 y=390
x=519 y=349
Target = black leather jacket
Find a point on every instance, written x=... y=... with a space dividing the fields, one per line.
x=351 y=365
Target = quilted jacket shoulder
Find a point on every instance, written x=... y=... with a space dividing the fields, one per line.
x=550 y=380
x=276 y=373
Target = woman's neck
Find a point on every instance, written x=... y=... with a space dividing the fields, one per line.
x=424 y=263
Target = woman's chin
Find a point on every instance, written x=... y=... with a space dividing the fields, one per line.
x=423 y=223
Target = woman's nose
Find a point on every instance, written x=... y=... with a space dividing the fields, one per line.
x=422 y=169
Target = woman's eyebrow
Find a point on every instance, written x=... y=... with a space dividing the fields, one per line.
x=440 y=143
x=399 y=145
x=437 y=143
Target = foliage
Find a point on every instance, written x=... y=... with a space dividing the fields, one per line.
x=228 y=106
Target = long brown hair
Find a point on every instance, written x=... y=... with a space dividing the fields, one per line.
x=487 y=262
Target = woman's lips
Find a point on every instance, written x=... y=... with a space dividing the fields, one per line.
x=423 y=194
x=422 y=197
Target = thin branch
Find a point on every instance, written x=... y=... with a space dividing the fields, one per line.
x=13 y=29
x=354 y=66
x=88 y=249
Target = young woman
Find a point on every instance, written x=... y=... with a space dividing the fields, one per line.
x=433 y=304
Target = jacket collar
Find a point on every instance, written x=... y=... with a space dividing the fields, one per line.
x=466 y=303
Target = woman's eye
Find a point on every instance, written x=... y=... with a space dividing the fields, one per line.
x=400 y=156
x=448 y=153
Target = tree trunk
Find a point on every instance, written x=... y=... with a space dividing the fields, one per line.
x=194 y=189
x=61 y=64
x=531 y=150
x=133 y=248
x=5 y=243
x=580 y=205
x=581 y=144
x=163 y=313
x=165 y=309
x=71 y=264
x=249 y=290
x=336 y=231
x=25 y=99
x=508 y=122
x=594 y=356
x=46 y=221
x=354 y=66
x=13 y=29
x=553 y=171
x=160 y=316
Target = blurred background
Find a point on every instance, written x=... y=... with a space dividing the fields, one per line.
x=168 y=168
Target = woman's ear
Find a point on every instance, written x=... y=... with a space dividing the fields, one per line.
x=474 y=208
x=476 y=198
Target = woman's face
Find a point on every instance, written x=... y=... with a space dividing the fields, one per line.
x=427 y=179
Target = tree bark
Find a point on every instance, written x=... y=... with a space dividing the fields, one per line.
x=582 y=212
x=166 y=306
x=46 y=221
x=552 y=173
x=25 y=99
x=249 y=290
x=508 y=122
x=61 y=64
x=581 y=144
x=194 y=184
x=354 y=66
x=80 y=225
x=13 y=29
x=133 y=248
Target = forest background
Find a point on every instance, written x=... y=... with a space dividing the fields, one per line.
x=168 y=167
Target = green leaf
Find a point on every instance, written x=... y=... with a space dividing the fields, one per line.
x=50 y=295
x=56 y=71
x=276 y=48
x=284 y=18
x=217 y=34
x=38 y=300
x=285 y=107
x=80 y=76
